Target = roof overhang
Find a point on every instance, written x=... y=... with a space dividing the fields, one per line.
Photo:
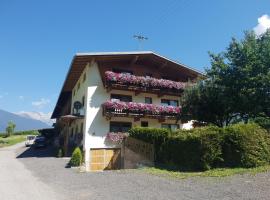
x=80 y=60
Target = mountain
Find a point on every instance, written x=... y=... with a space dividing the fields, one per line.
x=44 y=117
x=22 y=123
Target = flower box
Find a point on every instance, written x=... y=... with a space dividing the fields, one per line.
x=120 y=107
x=143 y=83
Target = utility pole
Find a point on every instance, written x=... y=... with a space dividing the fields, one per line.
x=140 y=39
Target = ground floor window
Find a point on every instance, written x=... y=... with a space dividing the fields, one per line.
x=120 y=126
x=172 y=127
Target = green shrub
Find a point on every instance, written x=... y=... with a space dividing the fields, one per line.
x=240 y=145
x=196 y=149
x=76 y=158
x=156 y=136
x=245 y=145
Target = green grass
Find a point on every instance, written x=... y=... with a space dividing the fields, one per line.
x=8 y=141
x=219 y=172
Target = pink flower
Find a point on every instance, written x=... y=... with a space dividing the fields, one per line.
x=124 y=78
x=116 y=137
x=142 y=108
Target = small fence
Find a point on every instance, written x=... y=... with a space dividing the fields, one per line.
x=137 y=151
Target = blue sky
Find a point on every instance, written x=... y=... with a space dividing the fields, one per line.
x=39 y=38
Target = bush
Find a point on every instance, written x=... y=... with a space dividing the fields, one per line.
x=245 y=145
x=240 y=145
x=196 y=149
x=76 y=158
x=156 y=136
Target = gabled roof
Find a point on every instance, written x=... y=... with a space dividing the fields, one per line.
x=80 y=60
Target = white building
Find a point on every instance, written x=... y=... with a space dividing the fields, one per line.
x=93 y=78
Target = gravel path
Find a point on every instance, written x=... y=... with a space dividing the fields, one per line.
x=134 y=184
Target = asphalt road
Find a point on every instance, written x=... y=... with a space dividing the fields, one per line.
x=35 y=174
x=17 y=182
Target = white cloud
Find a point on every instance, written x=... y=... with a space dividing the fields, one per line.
x=263 y=24
x=41 y=103
x=21 y=98
x=44 y=117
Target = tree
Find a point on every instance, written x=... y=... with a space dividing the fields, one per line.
x=10 y=128
x=205 y=102
x=238 y=83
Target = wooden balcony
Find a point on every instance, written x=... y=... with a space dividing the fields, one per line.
x=141 y=87
x=112 y=111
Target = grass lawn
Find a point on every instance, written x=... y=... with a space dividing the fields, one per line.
x=220 y=172
x=14 y=139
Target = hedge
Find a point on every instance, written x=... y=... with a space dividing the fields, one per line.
x=245 y=145
x=241 y=145
x=156 y=136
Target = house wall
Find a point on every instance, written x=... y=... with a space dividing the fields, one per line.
x=96 y=125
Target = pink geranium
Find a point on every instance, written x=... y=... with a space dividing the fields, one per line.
x=125 y=78
x=142 y=108
x=116 y=137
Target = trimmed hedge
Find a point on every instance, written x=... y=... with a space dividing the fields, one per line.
x=196 y=149
x=241 y=145
x=246 y=145
x=156 y=136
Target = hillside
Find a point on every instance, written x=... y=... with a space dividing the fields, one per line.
x=22 y=123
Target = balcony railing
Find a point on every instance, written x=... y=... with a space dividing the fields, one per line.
x=140 y=110
x=143 y=84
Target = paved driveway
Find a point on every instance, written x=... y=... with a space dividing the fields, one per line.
x=37 y=173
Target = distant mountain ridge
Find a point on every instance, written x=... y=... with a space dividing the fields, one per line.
x=22 y=123
x=44 y=117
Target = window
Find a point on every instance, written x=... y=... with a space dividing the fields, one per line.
x=121 y=97
x=148 y=100
x=81 y=128
x=120 y=126
x=172 y=127
x=144 y=124
x=84 y=77
x=167 y=102
x=83 y=100
x=125 y=71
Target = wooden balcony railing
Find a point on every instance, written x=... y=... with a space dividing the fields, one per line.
x=140 y=110
x=138 y=84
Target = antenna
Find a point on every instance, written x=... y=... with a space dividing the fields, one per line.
x=140 y=39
